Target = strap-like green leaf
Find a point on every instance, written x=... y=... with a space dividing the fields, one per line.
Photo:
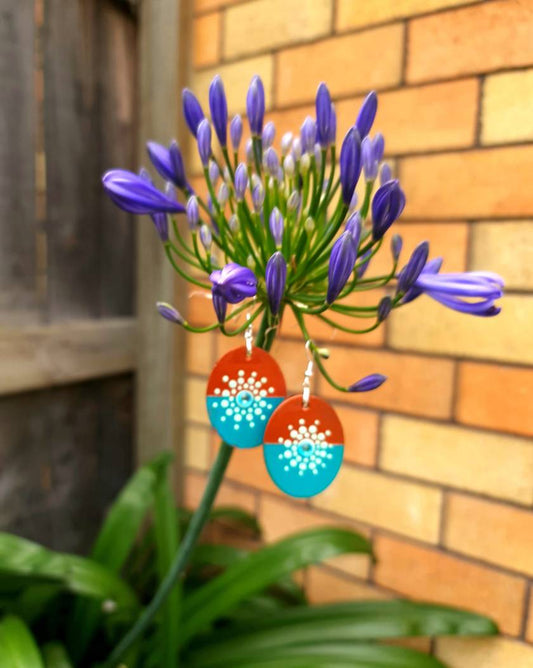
x=343 y=622
x=320 y=655
x=262 y=568
x=55 y=656
x=113 y=544
x=17 y=645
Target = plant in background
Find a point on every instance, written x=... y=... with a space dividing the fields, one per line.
x=237 y=607
x=278 y=230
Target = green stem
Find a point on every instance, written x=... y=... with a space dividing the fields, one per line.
x=196 y=525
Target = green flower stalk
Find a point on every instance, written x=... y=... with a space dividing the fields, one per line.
x=284 y=230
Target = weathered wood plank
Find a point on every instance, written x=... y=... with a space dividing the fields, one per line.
x=17 y=159
x=160 y=363
x=43 y=356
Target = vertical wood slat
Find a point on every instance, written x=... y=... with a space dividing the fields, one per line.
x=17 y=156
x=160 y=363
x=89 y=74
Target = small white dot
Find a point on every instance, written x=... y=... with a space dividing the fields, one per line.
x=225 y=378
x=264 y=379
x=241 y=372
x=217 y=390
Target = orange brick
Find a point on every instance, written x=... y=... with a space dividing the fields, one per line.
x=487 y=183
x=199 y=353
x=195 y=408
x=200 y=312
x=206 y=39
x=292 y=358
x=410 y=508
x=323 y=586
x=484 y=653
x=197 y=446
x=422 y=118
x=207 y=5
x=360 y=434
x=414 y=384
x=507 y=101
x=496 y=397
x=352 y=14
x=447 y=240
x=280 y=518
x=301 y=69
x=432 y=576
x=265 y=24
x=490 y=531
x=485 y=37
x=529 y=630
x=228 y=494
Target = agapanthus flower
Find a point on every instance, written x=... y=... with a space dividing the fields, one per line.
x=170 y=313
x=287 y=231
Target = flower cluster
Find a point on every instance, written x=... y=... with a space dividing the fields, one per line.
x=285 y=228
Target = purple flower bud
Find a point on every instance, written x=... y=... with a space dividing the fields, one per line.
x=386 y=174
x=276 y=226
x=387 y=205
x=258 y=197
x=206 y=237
x=308 y=134
x=370 y=166
x=136 y=194
x=235 y=131
x=354 y=226
x=305 y=163
x=271 y=161
x=293 y=201
x=384 y=308
x=213 y=172
x=286 y=143
x=275 y=278
x=220 y=305
x=332 y=125
x=378 y=144
x=160 y=221
x=363 y=266
x=269 y=132
x=323 y=115
x=396 y=246
x=413 y=268
x=367 y=114
x=368 y=383
x=170 y=191
x=341 y=264
x=234 y=282
x=350 y=164
x=192 y=110
x=170 y=313
x=168 y=162
x=318 y=156
x=218 y=106
x=241 y=181
x=255 y=106
x=204 y=141
x=193 y=212
x=233 y=223
x=354 y=201
x=249 y=150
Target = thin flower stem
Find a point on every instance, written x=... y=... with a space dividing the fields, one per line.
x=348 y=330
x=264 y=340
x=179 y=270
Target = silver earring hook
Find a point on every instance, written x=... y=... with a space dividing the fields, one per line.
x=248 y=337
x=306 y=385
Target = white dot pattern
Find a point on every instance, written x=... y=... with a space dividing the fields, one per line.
x=244 y=399
x=306 y=448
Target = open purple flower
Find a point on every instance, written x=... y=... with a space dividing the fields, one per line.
x=136 y=194
x=232 y=284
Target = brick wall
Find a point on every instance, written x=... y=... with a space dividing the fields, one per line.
x=438 y=468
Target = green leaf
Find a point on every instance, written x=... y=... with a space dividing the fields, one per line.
x=55 y=656
x=23 y=558
x=166 y=536
x=236 y=516
x=320 y=655
x=17 y=645
x=113 y=545
x=261 y=569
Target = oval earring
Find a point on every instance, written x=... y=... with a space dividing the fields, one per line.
x=304 y=443
x=244 y=388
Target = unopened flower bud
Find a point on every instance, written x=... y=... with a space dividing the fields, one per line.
x=384 y=308
x=413 y=268
x=203 y=137
x=396 y=246
x=170 y=313
x=241 y=181
x=213 y=171
x=305 y=163
x=193 y=212
x=350 y=164
x=387 y=205
x=286 y=143
x=275 y=279
x=308 y=134
x=192 y=110
x=341 y=263
x=255 y=106
x=233 y=223
x=218 y=106
x=269 y=132
x=293 y=201
x=386 y=173
x=323 y=115
x=288 y=165
x=368 y=383
x=309 y=225
x=367 y=114
x=297 y=148
x=354 y=226
x=271 y=161
x=235 y=131
x=258 y=197
x=249 y=150
x=276 y=226
x=223 y=195
x=206 y=237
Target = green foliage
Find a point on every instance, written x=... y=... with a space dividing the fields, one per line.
x=236 y=606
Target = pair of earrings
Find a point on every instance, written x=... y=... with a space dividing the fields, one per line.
x=302 y=435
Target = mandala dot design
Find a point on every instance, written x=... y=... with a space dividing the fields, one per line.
x=303 y=446
x=243 y=392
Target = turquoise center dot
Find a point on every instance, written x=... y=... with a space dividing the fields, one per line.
x=245 y=399
x=306 y=448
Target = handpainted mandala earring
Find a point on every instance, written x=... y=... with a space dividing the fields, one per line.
x=304 y=443
x=244 y=388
